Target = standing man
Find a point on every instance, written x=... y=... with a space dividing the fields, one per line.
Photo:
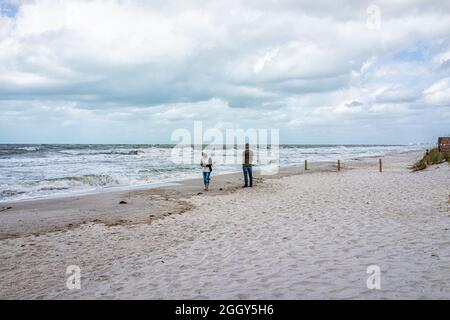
x=247 y=161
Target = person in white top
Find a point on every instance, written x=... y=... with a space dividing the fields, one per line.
x=206 y=164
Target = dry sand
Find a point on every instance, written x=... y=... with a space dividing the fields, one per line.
x=298 y=236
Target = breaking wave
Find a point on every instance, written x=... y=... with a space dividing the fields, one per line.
x=90 y=180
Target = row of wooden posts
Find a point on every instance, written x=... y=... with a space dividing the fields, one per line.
x=380 y=165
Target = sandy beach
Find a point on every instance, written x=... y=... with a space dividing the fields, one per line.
x=295 y=235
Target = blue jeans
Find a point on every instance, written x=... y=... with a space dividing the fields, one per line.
x=248 y=178
x=206 y=177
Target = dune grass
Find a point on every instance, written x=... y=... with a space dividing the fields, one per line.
x=433 y=157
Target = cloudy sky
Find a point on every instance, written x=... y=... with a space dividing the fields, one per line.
x=134 y=71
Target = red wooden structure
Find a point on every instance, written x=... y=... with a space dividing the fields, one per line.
x=444 y=144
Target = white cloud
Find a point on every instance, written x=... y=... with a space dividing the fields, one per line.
x=248 y=62
x=438 y=93
x=265 y=59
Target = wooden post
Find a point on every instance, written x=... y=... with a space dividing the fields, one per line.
x=306 y=165
x=380 y=163
x=339 y=165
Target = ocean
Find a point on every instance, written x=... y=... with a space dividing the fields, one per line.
x=46 y=170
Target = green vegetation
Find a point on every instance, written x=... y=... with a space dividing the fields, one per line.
x=433 y=157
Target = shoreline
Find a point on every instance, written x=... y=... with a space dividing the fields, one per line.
x=143 y=205
x=13 y=193
x=176 y=181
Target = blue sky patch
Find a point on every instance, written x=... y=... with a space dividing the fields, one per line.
x=419 y=53
x=8 y=9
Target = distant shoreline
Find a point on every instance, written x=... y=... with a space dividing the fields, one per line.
x=168 y=183
x=174 y=144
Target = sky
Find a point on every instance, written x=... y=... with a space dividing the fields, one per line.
x=118 y=71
